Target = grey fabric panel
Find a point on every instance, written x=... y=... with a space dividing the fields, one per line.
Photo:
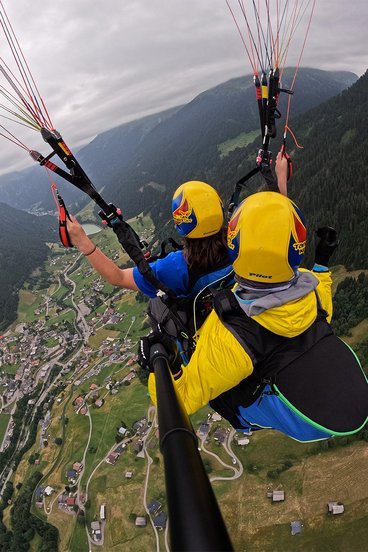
x=263 y=301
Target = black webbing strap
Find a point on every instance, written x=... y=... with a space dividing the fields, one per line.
x=130 y=242
x=175 y=246
x=234 y=200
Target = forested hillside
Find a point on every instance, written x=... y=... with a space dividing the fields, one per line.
x=107 y=155
x=330 y=180
x=193 y=143
x=23 y=248
x=331 y=172
x=134 y=162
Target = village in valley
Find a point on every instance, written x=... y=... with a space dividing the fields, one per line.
x=88 y=432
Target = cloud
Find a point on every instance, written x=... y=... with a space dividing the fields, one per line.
x=99 y=64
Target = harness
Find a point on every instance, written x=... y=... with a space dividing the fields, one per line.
x=267 y=94
x=190 y=310
x=315 y=373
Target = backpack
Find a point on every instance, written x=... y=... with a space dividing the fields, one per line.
x=181 y=318
x=315 y=374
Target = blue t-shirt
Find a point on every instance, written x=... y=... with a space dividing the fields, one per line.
x=173 y=271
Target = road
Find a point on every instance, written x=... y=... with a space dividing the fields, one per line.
x=151 y=417
x=237 y=468
x=83 y=328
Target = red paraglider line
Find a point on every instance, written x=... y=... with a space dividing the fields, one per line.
x=297 y=69
x=17 y=54
x=14 y=139
x=241 y=36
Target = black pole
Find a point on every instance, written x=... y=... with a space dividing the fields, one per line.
x=195 y=520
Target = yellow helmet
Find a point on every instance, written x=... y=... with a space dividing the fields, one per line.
x=266 y=238
x=197 y=210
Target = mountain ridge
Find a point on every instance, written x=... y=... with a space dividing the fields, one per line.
x=168 y=147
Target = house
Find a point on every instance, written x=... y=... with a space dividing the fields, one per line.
x=71 y=475
x=203 y=429
x=39 y=504
x=122 y=430
x=220 y=435
x=137 y=426
x=79 y=401
x=129 y=376
x=39 y=492
x=153 y=507
x=37 y=462
x=137 y=447
x=48 y=490
x=83 y=411
x=241 y=441
x=96 y=530
x=278 y=496
x=70 y=501
x=296 y=527
x=335 y=508
x=99 y=403
x=77 y=466
x=215 y=417
x=140 y=521
x=160 y=521
x=112 y=458
x=128 y=475
x=103 y=512
x=95 y=526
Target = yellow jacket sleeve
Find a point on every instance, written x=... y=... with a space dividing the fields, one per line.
x=218 y=364
x=324 y=290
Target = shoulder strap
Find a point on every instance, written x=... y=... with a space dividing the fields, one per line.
x=175 y=246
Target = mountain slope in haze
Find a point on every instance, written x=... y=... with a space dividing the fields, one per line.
x=101 y=159
x=133 y=161
x=185 y=146
x=23 y=248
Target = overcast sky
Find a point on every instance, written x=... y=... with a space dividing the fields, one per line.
x=99 y=63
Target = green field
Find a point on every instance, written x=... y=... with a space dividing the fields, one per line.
x=28 y=302
x=128 y=405
x=10 y=368
x=238 y=142
x=4 y=420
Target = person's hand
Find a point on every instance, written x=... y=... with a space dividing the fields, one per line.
x=77 y=235
x=326 y=246
x=281 y=169
x=155 y=346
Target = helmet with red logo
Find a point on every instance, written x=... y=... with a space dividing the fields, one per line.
x=266 y=238
x=197 y=210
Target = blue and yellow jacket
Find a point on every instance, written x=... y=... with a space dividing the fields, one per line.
x=220 y=362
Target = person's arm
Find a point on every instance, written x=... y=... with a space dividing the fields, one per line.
x=281 y=169
x=327 y=244
x=218 y=363
x=103 y=265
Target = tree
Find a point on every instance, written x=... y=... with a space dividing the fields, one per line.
x=58 y=441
